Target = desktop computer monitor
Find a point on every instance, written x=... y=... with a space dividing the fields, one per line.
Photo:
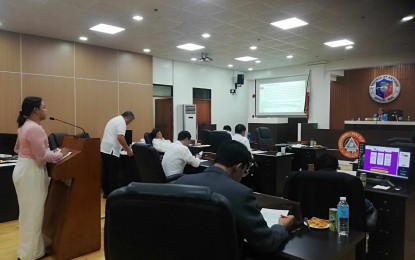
x=384 y=161
x=129 y=136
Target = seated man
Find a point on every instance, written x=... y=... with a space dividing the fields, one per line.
x=178 y=155
x=232 y=162
x=240 y=133
x=328 y=162
x=159 y=143
x=228 y=129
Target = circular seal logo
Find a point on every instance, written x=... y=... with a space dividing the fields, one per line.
x=384 y=89
x=349 y=144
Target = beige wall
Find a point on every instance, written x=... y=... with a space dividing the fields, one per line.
x=81 y=84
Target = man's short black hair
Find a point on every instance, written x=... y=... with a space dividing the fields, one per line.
x=227 y=128
x=231 y=153
x=154 y=132
x=326 y=161
x=239 y=128
x=183 y=135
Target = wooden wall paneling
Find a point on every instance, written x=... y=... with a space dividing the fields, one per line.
x=138 y=98
x=96 y=104
x=10 y=103
x=9 y=51
x=47 y=56
x=94 y=62
x=58 y=94
x=134 y=67
x=350 y=99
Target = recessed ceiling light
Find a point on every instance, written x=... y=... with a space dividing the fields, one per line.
x=190 y=47
x=290 y=56
x=257 y=61
x=250 y=69
x=230 y=65
x=407 y=18
x=246 y=58
x=193 y=59
x=105 y=28
x=349 y=47
x=339 y=43
x=253 y=47
x=205 y=35
x=137 y=18
x=289 y=23
x=146 y=50
x=83 y=38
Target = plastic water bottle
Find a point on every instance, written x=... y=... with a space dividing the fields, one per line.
x=343 y=217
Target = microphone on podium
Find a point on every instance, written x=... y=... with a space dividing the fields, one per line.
x=83 y=135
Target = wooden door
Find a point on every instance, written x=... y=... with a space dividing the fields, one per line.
x=202 y=113
x=164 y=117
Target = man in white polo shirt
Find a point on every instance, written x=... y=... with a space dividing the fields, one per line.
x=240 y=136
x=112 y=142
x=178 y=155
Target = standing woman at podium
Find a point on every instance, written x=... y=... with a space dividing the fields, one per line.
x=30 y=176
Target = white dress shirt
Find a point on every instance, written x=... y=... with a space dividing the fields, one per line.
x=109 y=143
x=243 y=140
x=161 y=145
x=176 y=157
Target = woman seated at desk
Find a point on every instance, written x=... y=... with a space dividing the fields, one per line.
x=381 y=115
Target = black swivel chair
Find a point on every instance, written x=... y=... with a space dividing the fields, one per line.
x=318 y=191
x=148 y=163
x=55 y=139
x=147 y=138
x=168 y=221
x=264 y=138
x=205 y=136
x=217 y=138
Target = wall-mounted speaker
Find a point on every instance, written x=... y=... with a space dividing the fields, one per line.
x=240 y=79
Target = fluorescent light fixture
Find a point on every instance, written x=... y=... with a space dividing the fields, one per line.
x=146 y=50
x=250 y=69
x=257 y=61
x=246 y=58
x=193 y=59
x=349 y=47
x=137 y=18
x=290 y=56
x=339 y=43
x=289 y=23
x=253 y=47
x=83 y=38
x=407 y=18
x=205 y=35
x=105 y=28
x=190 y=47
x=230 y=65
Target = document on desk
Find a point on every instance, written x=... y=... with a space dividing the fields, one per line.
x=272 y=216
x=258 y=152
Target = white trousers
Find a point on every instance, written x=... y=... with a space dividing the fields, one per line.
x=31 y=182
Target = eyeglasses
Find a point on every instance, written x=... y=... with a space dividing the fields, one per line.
x=248 y=167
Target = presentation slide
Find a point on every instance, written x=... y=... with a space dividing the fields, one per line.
x=281 y=96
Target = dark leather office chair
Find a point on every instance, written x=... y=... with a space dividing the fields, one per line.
x=264 y=138
x=148 y=163
x=318 y=191
x=168 y=221
x=217 y=138
x=55 y=139
x=205 y=136
x=147 y=138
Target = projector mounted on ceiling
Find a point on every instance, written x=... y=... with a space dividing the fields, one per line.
x=205 y=58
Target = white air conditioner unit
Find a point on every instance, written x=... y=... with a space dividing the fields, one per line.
x=187 y=120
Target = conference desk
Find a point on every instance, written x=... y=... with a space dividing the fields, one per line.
x=314 y=244
x=380 y=125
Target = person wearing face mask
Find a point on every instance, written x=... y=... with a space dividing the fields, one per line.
x=232 y=163
x=30 y=176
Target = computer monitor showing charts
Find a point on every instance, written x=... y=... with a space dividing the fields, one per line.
x=385 y=161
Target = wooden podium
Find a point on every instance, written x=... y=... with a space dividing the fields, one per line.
x=71 y=224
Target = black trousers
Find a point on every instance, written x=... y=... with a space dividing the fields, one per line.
x=109 y=173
